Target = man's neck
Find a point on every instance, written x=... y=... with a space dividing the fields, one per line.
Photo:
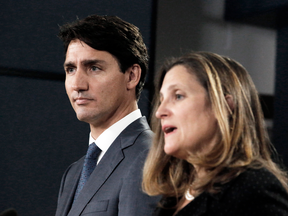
x=98 y=129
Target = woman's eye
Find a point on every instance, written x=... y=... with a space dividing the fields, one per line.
x=178 y=96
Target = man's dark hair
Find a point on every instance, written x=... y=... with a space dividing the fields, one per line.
x=121 y=39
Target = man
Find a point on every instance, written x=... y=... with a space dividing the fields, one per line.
x=105 y=65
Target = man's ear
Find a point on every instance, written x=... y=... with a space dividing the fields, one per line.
x=133 y=76
x=230 y=102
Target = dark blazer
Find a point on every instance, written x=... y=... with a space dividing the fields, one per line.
x=252 y=193
x=114 y=187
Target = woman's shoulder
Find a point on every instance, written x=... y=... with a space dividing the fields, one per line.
x=255 y=191
x=255 y=179
x=254 y=182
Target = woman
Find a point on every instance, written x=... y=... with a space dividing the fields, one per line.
x=211 y=154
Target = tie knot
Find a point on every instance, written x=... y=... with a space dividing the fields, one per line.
x=93 y=151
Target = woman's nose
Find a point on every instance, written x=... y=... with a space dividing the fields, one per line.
x=162 y=110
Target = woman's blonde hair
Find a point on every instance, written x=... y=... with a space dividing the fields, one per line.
x=244 y=142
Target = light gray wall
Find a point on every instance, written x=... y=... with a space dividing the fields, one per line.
x=186 y=25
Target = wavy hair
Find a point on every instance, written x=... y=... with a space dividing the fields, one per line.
x=244 y=142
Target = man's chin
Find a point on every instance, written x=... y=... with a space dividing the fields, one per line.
x=83 y=118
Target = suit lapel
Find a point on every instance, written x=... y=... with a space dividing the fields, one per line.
x=109 y=161
x=108 y=164
x=70 y=186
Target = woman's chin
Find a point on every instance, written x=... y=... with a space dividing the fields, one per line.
x=169 y=150
x=172 y=151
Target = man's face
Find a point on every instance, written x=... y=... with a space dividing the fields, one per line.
x=95 y=85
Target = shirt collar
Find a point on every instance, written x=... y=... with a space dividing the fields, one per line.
x=105 y=139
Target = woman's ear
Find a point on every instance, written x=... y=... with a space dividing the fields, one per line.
x=230 y=102
x=134 y=74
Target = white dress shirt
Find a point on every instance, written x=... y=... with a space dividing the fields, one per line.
x=105 y=139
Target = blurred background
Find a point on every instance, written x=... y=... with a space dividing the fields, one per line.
x=39 y=132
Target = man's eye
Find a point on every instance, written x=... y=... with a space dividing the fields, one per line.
x=94 y=68
x=70 y=70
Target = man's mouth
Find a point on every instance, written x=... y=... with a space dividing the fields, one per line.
x=82 y=100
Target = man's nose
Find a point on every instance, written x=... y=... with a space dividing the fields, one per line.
x=80 y=81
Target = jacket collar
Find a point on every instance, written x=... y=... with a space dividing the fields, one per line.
x=111 y=159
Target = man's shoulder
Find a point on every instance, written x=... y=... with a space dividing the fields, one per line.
x=139 y=125
x=138 y=132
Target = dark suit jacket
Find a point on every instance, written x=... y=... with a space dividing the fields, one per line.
x=252 y=193
x=114 y=187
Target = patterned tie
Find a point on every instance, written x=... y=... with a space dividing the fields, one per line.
x=88 y=166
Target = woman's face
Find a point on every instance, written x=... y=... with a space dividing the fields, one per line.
x=187 y=120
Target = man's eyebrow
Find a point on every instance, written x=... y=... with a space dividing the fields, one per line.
x=92 y=61
x=85 y=62
x=68 y=64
